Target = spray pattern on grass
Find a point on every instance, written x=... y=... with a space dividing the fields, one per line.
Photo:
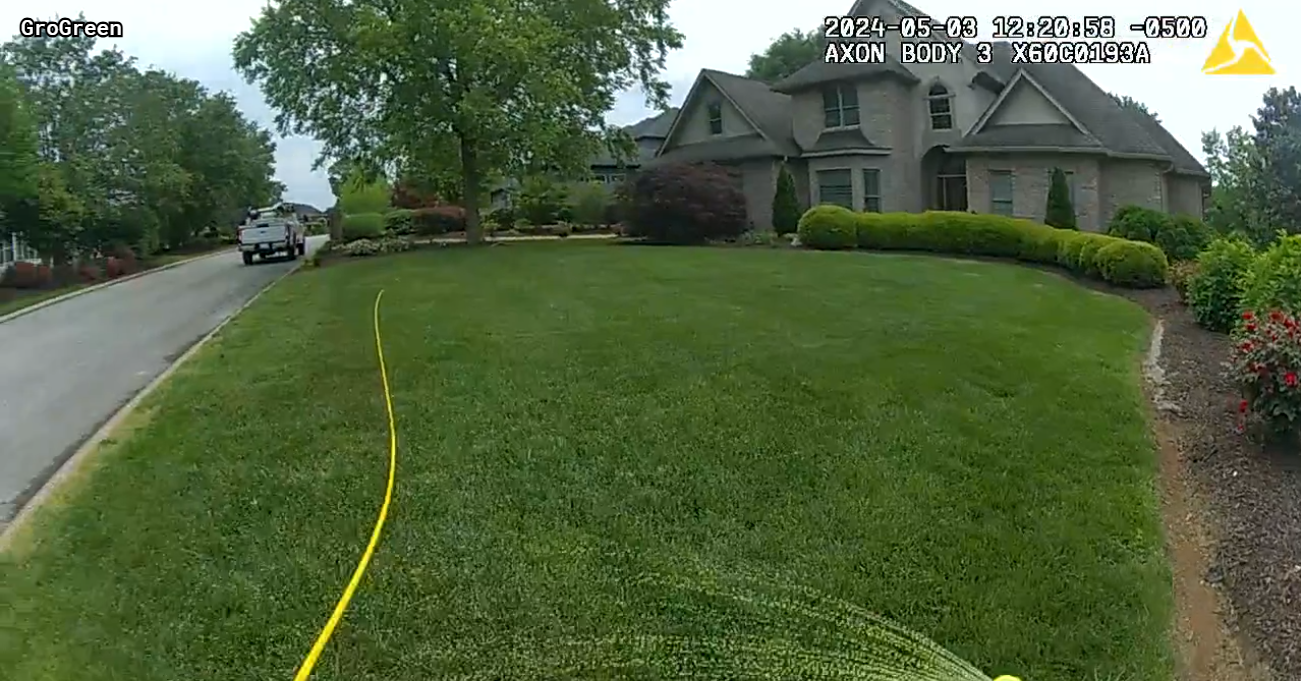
x=770 y=630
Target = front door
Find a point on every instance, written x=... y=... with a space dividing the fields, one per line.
x=951 y=192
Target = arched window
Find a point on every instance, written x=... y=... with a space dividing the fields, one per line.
x=940 y=103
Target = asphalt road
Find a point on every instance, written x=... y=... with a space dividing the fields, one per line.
x=65 y=369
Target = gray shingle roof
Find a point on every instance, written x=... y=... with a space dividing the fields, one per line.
x=819 y=72
x=734 y=148
x=1117 y=129
x=835 y=140
x=656 y=126
x=1049 y=136
x=1114 y=127
x=770 y=111
x=1184 y=161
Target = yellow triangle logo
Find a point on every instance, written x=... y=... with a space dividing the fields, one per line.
x=1238 y=52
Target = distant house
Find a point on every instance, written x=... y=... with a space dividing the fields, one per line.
x=12 y=251
x=981 y=134
x=306 y=211
x=648 y=133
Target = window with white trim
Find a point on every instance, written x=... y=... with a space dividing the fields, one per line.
x=716 y=118
x=1000 y=192
x=836 y=187
x=872 y=190
x=840 y=106
x=940 y=103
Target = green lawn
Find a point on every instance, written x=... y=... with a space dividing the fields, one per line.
x=960 y=446
x=28 y=299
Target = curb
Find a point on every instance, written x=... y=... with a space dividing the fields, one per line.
x=82 y=291
x=86 y=450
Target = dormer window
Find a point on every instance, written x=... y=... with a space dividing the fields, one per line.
x=940 y=102
x=716 y=118
x=840 y=104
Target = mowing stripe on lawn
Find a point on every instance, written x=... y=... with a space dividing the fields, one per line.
x=309 y=663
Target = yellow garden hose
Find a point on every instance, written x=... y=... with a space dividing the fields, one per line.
x=309 y=662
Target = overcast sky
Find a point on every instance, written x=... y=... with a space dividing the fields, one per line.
x=194 y=41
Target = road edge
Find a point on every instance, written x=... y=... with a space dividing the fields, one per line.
x=111 y=282
x=91 y=445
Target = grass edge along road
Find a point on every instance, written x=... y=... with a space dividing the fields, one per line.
x=961 y=447
x=309 y=663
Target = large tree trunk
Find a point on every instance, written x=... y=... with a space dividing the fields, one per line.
x=335 y=218
x=470 y=173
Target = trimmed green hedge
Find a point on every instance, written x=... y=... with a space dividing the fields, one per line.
x=830 y=228
x=363 y=226
x=1112 y=259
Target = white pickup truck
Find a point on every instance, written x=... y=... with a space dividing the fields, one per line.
x=272 y=231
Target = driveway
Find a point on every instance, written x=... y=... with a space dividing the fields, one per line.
x=65 y=369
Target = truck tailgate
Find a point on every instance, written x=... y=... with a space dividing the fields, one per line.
x=262 y=233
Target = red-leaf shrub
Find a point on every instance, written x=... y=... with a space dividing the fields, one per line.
x=127 y=261
x=24 y=275
x=113 y=268
x=406 y=195
x=685 y=204
x=89 y=273
x=438 y=220
x=1266 y=363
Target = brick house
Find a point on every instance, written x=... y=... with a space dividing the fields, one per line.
x=953 y=136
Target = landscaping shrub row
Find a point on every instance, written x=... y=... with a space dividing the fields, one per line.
x=1256 y=295
x=1132 y=264
x=434 y=221
x=1180 y=237
x=30 y=276
x=1230 y=277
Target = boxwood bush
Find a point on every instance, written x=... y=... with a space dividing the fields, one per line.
x=1069 y=247
x=362 y=226
x=1132 y=264
x=1180 y=237
x=1087 y=262
x=828 y=227
x=1119 y=261
x=400 y=221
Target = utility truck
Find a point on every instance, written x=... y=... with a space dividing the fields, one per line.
x=274 y=230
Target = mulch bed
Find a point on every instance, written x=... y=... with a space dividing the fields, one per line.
x=1253 y=490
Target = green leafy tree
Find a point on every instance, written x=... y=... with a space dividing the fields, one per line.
x=1059 y=211
x=1127 y=102
x=361 y=194
x=130 y=157
x=785 y=204
x=463 y=89
x=790 y=52
x=541 y=200
x=1278 y=149
x=18 y=152
x=1236 y=205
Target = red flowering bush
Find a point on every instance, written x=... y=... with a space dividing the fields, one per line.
x=1267 y=366
x=438 y=220
x=25 y=275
